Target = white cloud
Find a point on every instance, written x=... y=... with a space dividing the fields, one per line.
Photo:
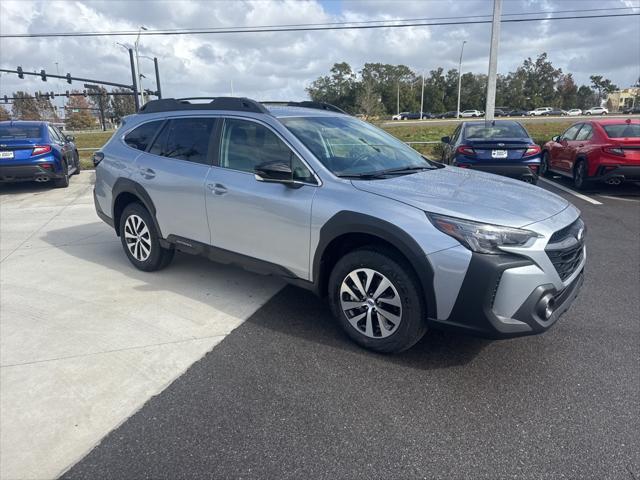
x=281 y=65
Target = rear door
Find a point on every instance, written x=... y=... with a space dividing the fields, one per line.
x=173 y=171
x=266 y=221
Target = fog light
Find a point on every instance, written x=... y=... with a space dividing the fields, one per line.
x=546 y=306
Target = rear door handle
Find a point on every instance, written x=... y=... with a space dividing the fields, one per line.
x=147 y=173
x=217 y=188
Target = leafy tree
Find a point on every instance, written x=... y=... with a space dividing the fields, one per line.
x=46 y=109
x=369 y=101
x=4 y=115
x=79 y=113
x=585 y=98
x=567 y=92
x=540 y=81
x=602 y=86
x=121 y=105
x=25 y=107
x=339 y=88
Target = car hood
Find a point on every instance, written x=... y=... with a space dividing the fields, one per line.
x=476 y=196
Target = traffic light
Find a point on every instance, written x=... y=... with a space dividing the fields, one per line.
x=6 y=100
x=43 y=75
x=37 y=95
x=66 y=94
x=68 y=78
x=52 y=95
x=84 y=92
x=20 y=74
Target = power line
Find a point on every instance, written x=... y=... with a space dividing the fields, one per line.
x=319 y=27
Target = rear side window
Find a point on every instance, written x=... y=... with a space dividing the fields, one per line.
x=623 y=130
x=18 y=132
x=185 y=139
x=586 y=133
x=140 y=137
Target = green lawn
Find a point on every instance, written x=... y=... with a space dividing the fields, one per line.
x=541 y=133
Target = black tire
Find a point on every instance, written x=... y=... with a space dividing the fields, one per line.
x=544 y=165
x=76 y=158
x=580 y=175
x=64 y=181
x=411 y=326
x=588 y=113
x=157 y=257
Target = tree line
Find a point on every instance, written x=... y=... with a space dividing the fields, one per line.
x=373 y=91
x=81 y=111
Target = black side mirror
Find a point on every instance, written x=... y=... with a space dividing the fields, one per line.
x=446 y=139
x=275 y=172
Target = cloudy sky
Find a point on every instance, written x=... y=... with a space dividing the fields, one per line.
x=281 y=65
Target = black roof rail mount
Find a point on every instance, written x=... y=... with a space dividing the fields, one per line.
x=236 y=104
x=307 y=104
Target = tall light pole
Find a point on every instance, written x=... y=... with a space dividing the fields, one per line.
x=493 y=61
x=460 y=78
x=155 y=66
x=398 y=99
x=422 y=97
x=135 y=47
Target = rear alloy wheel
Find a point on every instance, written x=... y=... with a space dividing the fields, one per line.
x=544 y=164
x=140 y=240
x=377 y=300
x=64 y=181
x=580 y=175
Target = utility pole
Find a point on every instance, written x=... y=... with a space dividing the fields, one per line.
x=460 y=78
x=136 y=99
x=493 y=61
x=398 y=98
x=422 y=97
x=158 y=89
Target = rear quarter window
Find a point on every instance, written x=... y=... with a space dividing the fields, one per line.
x=623 y=130
x=140 y=137
x=18 y=132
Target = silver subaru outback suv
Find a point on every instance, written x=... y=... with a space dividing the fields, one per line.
x=396 y=242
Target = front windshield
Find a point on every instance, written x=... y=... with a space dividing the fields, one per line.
x=351 y=147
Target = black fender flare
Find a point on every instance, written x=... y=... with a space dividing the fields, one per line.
x=348 y=222
x=125 y=185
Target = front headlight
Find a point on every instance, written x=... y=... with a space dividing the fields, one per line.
x=481 y=237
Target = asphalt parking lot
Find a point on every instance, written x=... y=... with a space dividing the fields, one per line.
x=277 y=390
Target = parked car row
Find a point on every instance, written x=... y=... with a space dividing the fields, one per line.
x=590 y=151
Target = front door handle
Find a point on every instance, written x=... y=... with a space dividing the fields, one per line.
x=217 y=188
x=147 y=173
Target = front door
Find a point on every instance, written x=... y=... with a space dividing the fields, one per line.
x=265 y=221
x=173 y=172
x=561 y=154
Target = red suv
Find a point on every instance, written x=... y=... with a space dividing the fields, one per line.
x=597 y=150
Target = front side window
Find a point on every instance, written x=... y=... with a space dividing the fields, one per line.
x=350 y=147
x=140 y=137
x=185 y=139
x=571 y=132
x=245 y=145
x=585 y=133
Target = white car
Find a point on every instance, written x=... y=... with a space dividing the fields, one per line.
x=471 y=113
x=596 y=111
x=574 y=112
x=399 y=116
x=539 y=111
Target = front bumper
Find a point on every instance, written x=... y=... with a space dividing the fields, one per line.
x=26 y=173
x=492 y=281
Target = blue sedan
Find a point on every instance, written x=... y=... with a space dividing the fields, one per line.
x=502 y=147
x=36 y=151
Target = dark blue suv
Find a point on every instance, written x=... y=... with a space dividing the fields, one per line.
x=36 y=151
x=502 y=147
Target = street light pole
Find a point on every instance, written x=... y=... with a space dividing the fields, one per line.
x=422 y=97
x=139 y=76
x=398 y=99
x=493 y=61
x=460 y=78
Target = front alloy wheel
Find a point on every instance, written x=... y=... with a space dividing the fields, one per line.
x=370 y=303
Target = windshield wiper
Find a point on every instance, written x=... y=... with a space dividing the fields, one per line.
x=384 y=173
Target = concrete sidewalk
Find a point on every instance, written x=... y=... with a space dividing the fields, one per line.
x=85 y=339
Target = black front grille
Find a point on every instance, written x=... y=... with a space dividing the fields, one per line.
x=566 y=248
